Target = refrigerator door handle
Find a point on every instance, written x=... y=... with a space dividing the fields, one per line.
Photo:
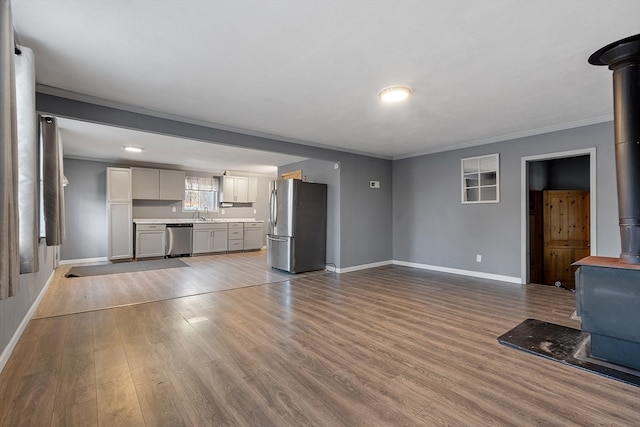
x=276 y=240
x=273 y=204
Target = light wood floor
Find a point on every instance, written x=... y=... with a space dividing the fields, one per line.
x=386 y=346
x=204 y=274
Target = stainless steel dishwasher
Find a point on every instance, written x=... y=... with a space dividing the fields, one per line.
x=179 y=239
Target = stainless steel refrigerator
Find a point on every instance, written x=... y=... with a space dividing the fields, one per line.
x=297 y=239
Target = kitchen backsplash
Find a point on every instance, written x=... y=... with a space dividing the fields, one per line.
x=164 y=209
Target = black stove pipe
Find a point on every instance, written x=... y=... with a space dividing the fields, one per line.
x=623 y=57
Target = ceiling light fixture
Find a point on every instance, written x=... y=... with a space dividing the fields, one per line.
x=395 y=93
x=133 y=149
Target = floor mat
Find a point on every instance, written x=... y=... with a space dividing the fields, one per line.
x=565 y=345
x=125 y=267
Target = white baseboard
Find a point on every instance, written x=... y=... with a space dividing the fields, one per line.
x=471 y=273
x=359 y=267
x=6 y=353
x=83 y=260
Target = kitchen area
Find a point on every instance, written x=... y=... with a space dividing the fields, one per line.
x=118 y=211
x=164 y=197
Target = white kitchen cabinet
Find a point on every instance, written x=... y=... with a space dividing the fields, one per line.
x=150 y=240
x=171 y=185
x=219 y=241
x=157 y=184
x=209 y=238
x=236 y=236
x=145 y=183
x=252 y=235
x=119 y=214
x=239 y=189
x=118 y=185
x=252 y=190
x=120 y=231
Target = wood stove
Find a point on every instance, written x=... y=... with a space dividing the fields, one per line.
x=608 y=289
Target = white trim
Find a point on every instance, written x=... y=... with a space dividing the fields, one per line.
x=471 y=273
x=358 y=267
x=477 y=274
x=507 y=137
x=11 y=345
x=84 y=260
x=524 y=200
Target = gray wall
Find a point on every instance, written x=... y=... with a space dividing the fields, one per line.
x=324 y=172
x=365 y=213
x=85 y=208
x=14 y=309
x=431 y=225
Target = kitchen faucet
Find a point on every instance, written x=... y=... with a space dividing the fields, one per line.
x=206 y=211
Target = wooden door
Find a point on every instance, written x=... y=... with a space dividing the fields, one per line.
x=566 y=234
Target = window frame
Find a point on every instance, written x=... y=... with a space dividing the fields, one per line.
x=478 y=181
x=215 y=194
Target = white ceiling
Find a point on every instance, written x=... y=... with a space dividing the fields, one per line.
x=309 y=71
x=84 y=140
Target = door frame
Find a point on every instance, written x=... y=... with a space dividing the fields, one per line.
x=524 y=202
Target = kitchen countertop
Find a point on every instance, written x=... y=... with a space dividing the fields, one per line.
x=191 y=220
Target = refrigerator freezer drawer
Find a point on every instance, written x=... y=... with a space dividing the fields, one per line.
x=279 y=252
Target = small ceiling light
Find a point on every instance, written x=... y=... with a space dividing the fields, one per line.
x=133 y=149
x=395 y=93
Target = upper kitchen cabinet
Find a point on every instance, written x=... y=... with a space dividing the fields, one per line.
x=118 y=185
x=146 y=183
x=157 y=184
x=171 y=185
x=239 y=189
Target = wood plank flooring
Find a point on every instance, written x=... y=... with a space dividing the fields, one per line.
x=390 y=346
x=204 y=274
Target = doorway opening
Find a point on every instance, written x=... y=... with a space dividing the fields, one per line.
x=558 y=222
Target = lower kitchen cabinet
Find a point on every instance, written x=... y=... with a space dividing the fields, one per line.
x=120 y=230
x=150 y=240
x=253 y=235
x=208 y=238
x=236 y=236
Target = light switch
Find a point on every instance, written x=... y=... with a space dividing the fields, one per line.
x=374 y=184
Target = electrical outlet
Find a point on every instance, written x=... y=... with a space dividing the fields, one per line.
x=255 y=211
x=222 y=211
x=173 y=208
x=478 y=258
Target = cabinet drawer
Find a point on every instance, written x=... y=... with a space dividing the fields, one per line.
x=236 y=233
x=150 y=227
x=235 y=225
x=201 y=226
x=236 y=245
x=252 y=225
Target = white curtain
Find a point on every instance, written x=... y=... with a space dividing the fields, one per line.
x=53 y=177
x=28 y=166
x=9 y=256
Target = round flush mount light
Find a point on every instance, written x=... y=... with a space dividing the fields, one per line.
x=395 y=93
x=133 y=149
